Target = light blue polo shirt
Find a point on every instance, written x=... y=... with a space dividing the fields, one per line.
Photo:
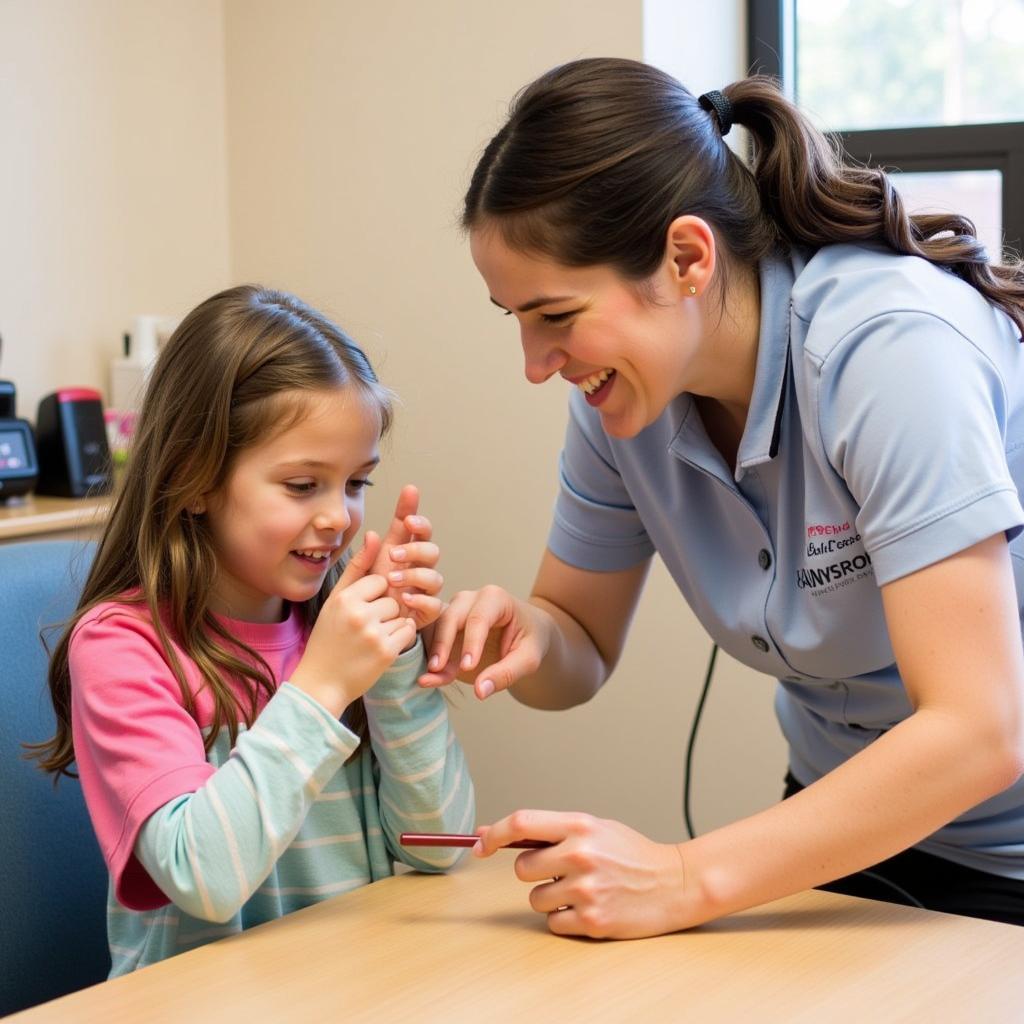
x=885 y=433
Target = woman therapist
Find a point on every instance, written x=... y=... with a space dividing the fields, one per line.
x=811 y=405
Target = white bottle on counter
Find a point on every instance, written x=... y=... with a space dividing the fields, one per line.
x=129 y=373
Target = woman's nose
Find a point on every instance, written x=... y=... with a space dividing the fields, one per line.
x=541 y=360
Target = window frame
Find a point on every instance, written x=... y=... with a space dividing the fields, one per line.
x=771 y=50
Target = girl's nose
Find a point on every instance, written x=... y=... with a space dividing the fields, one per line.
x=542 y=360
x=334 y=516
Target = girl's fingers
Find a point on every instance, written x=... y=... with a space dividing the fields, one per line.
x=419 y=526
x=405 y=508
x=384 y=609
x=402 y=637
x=428 y=581
x=423 y=609
x=407 y=505
x=425 y=604
x=416 y=553
x=359 y=564
x=391 y=626
x=366 y=588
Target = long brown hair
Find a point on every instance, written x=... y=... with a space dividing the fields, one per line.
x=225 y=379
x=598 y=157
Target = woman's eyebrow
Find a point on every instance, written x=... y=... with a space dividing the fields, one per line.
x=541 y=300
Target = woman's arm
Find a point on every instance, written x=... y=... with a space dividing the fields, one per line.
x=558 y=648
x=956 y=635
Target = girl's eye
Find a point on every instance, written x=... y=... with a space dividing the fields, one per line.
x=357 y=485
x=557 y=318
x=305 y=487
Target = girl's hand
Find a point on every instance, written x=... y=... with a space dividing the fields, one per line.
x=600 y=879
x=357 y=635
x=407 y=560
x=488 y=638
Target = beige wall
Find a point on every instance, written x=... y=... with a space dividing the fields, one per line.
x=157 y=151
x=113 y=178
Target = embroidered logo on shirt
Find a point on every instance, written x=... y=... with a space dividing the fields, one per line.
x=827 y=529
x=834 y=572
x=831 y=546
x=850 y=566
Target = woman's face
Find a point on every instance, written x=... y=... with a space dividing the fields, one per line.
x=629 y=353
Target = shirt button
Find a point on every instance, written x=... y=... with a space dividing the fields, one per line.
x=764 y=558
x=760 y=643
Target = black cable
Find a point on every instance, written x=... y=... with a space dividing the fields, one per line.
x=691 y=743
x=911 y=900
x=693 y=740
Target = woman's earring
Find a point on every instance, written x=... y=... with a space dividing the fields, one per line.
x=693 y=289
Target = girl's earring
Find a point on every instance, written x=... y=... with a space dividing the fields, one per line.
x=693 y=289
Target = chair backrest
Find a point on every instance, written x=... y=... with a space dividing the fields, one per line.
x=53 y=881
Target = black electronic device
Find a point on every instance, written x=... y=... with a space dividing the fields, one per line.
x=6 y=400
x=71 y=443
x=18 y=466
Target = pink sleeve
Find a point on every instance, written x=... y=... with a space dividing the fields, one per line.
x=136 y=746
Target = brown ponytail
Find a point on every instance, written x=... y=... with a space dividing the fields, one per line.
x=598 y=157
x=815 y=199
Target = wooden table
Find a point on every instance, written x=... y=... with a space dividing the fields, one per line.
x=41 y=517
x=466 y=947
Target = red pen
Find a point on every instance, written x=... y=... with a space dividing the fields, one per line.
x=448 y=839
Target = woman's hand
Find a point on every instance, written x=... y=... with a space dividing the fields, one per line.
x=488 y=638
x=356 y=637
x=407 y=560
x=600 y=879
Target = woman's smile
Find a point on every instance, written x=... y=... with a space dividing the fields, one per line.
x=596 y=387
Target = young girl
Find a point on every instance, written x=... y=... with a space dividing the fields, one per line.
x=240 y=703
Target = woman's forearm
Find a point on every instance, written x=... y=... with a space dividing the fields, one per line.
x=916 y=778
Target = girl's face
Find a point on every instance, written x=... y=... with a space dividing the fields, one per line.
x=291 y=505
x=629 y=354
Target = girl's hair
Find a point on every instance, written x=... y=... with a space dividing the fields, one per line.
x=226 y=379
x=598 y=157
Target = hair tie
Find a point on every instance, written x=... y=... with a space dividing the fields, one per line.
x=722 y=107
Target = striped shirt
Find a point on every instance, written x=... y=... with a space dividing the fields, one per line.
x=200 y=845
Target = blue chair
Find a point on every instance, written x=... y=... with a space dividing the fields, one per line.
x=53 y=882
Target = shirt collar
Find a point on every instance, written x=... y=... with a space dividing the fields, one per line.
x=760 y=441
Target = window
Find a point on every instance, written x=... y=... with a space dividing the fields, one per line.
x=932 y=89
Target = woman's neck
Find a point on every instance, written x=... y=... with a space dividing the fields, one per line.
x=731 y=353
x=733 y=340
